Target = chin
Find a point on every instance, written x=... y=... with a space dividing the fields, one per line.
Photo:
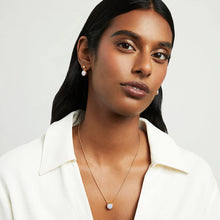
x=128 y=110
x=125 y=107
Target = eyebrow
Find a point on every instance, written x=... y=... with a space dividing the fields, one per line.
x=137 y=37
x=165 y=44
x=127 y=33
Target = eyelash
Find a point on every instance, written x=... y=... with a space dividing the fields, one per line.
x=123 y=44
x=166 y=57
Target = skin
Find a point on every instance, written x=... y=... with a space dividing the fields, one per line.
x=110 y=131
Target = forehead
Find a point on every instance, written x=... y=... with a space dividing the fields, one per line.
x=148 y=24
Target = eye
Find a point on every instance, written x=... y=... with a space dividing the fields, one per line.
x=125 y=45
x=161 y=56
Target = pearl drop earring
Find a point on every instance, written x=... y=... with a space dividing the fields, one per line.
x=84 y=72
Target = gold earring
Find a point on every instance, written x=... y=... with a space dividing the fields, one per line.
x=84 y=72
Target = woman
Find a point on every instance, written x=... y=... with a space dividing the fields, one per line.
x=106 y=154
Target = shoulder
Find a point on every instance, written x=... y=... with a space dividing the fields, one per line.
x=200 y=172
x=167 y=152
x=199 y=176
x=22 y=159
x=198 y=166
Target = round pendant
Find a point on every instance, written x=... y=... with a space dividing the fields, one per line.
x=109 y=206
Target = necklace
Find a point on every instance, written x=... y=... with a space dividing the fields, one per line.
x=109 y=204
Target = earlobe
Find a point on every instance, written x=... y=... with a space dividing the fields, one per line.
x=83 y=53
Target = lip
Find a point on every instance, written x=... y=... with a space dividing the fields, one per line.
x=135 y=89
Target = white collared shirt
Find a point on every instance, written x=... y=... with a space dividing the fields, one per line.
x=41 y=180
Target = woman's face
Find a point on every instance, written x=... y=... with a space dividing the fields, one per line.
x=130 y=63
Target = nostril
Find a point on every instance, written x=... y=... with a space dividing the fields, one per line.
x=138 y=71
x=143 y=73
x=147 y=75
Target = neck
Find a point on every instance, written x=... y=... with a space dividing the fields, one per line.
x=108 y=137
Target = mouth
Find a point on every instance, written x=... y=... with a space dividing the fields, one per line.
x=135 y=89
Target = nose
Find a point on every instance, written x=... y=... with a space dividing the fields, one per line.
x=143 y=65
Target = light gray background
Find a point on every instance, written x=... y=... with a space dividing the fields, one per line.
x=36 y=42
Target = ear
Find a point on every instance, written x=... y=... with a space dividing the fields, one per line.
x=83 y=53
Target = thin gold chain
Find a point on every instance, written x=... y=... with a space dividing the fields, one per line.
x=94 y=176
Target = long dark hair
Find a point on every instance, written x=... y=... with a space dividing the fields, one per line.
x=73 y=93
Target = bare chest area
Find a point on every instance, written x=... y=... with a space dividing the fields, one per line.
x=123 y=200
x=113 y=188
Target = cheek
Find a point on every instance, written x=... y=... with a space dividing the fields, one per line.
x=105 y=75
x=113 y=62
x=111 y=67
x=159 y=75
